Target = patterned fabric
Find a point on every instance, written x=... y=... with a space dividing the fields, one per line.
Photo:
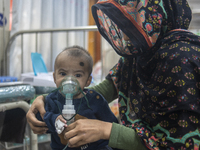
x=158 y=76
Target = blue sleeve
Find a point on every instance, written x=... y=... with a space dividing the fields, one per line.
x=51 y=114
x=103 y=111
x=39 y=117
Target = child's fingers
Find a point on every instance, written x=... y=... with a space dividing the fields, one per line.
x=63 y=120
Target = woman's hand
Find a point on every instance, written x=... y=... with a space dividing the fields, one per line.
x=37 y=126
x=85 y=131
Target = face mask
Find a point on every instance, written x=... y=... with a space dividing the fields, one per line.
x=69 y=87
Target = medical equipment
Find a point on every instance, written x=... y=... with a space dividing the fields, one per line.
x=40 y=76
x=42 y=79
x=69 y=87
x=38 y=64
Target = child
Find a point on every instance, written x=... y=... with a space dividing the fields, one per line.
x=75 y=61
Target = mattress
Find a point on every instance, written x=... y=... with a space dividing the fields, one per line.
x=12 y=92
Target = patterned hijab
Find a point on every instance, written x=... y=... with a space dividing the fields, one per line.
x=158 y=75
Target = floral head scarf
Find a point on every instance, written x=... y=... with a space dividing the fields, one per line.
x=158 y=76
x=143 y=21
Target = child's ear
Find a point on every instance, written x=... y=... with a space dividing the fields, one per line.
x=88 y=81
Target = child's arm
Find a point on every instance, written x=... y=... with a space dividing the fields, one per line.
x=51 y=113
x=50 y=119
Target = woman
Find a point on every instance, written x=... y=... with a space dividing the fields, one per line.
x=157 y=77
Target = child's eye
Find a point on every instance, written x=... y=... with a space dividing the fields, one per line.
x=78 y=75
x=62 y=73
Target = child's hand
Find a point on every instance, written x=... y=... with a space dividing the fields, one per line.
x=60 y=124
x=61 y=119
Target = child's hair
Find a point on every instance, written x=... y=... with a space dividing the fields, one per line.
x=78 y=51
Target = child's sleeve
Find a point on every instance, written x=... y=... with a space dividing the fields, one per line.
x=51 y=114
x=49 y=117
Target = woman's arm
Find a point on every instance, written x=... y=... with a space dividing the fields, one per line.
x=38 y=127
x=85 y=131
x=125 y=138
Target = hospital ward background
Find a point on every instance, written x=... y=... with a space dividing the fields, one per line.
x=32 y=33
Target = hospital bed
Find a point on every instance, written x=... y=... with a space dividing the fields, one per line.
x=13 y=108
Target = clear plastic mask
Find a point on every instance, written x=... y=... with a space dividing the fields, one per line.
x=69 y=87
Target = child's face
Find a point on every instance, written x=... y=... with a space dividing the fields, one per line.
x=72 y=66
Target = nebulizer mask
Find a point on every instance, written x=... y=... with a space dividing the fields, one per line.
x=69 y=87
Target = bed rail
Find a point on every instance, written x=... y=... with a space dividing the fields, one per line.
x=6 y=64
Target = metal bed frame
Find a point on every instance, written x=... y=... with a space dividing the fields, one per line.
x=6 y=65
x=24 y=106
